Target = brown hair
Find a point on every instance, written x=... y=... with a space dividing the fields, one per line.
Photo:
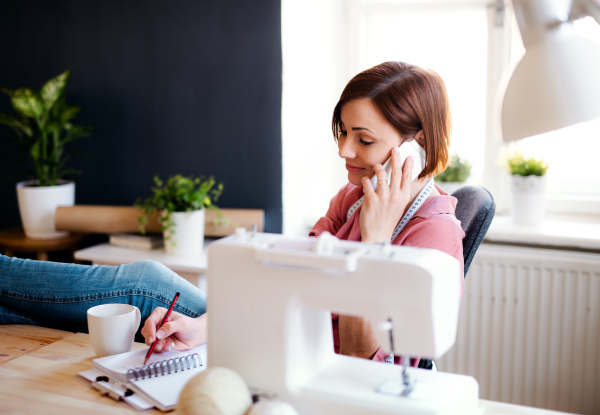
x=411 y=99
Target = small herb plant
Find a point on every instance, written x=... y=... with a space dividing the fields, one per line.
x=526 y=166
x=43 y=127
x=458 y=170
x=178 y=194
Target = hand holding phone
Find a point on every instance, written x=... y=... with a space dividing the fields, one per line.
x=408 y=148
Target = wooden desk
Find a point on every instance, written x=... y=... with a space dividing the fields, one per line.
x=18 y=340
x=42 y=380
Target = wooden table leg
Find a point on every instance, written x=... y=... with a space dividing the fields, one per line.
x=42 y=256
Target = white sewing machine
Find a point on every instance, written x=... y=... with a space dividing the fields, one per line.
x=270 y=300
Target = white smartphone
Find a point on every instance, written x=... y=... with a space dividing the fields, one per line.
x=408 y=148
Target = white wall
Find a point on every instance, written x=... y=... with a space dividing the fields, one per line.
x=313 y=80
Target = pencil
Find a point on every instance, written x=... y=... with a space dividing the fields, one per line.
x=161 y=324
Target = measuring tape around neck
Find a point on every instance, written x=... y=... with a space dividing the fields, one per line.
x=416 y=204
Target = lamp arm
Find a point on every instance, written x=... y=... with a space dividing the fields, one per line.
x=582 y=8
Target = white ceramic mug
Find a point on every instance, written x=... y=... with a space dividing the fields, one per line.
x=112 y=328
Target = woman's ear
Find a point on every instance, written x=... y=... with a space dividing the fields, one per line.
x=420 y=137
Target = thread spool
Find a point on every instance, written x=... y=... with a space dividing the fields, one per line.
x=216 y=391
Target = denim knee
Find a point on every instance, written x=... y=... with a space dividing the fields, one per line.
x=150 y=274
x=153 y=277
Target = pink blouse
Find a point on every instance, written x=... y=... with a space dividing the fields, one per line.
x=432 y=226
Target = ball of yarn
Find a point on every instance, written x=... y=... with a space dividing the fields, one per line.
x=268 y=407
x=216 y=391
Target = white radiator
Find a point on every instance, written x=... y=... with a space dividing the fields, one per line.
x=529 y=328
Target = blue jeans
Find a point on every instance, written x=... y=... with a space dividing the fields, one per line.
x=57 y=295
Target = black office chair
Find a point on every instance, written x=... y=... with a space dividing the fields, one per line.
x=475 y=210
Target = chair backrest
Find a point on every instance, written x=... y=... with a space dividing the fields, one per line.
x=475 y=210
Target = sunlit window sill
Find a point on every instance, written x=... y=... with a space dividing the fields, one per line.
x=563 y=232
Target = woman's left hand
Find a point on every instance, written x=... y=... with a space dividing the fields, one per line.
x=382 y=209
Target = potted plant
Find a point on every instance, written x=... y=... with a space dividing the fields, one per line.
x=455 y=175
x=43 y=127
x=528 y=188
x=181 y=202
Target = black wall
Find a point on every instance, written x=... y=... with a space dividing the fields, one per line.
x=190 y=87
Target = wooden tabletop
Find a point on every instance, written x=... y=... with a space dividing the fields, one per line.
x=17 y=340
x=38 y=374
x=38 y=369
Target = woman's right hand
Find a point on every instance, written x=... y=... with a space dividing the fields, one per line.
x=180 y=332
x=383 y=208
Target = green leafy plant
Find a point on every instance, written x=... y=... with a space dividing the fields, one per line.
x=179 y=194
x=458 y=170
x=526 y=166
x=43 y=127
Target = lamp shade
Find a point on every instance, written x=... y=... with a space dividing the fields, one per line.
x=556 y=84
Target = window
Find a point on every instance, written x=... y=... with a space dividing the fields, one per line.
x=468 y=42
x=572 y=153
x=573 y=176
x=449 y=37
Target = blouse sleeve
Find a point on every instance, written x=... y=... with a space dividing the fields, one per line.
x=380 y=355
x=333 y=220
x=441 y=232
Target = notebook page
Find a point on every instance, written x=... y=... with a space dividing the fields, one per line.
x=116 y=366
x=164 y=391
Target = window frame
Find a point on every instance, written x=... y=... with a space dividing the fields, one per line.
x=504 y=42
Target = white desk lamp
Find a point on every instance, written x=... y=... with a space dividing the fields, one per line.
x=557 y=82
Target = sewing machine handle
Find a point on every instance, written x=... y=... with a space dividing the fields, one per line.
x=344 y=262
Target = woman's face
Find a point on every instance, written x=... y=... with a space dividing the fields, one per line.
x=366 y=139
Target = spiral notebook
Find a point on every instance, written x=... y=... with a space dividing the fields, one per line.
x=161 y=380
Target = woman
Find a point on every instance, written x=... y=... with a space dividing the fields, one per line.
x=379 y=109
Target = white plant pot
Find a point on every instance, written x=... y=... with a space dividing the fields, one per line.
x=528 y=199
x=450 y=187
x=37 y=206
x=186 y=236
